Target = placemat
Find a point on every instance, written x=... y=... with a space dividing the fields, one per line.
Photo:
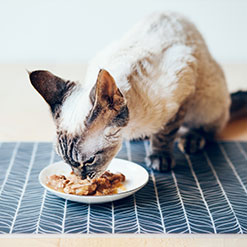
x=205 y=193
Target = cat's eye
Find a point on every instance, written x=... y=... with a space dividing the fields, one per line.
x=90 y=160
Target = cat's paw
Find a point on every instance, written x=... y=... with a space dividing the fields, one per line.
x=160 y=162
x=191 y=142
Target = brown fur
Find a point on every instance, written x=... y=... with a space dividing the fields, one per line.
x=53 y=89
x=108 y=102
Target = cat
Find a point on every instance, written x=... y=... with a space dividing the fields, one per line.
x=159 y=77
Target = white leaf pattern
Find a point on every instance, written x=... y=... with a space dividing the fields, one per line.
x=23 y=190
x=12 y=188
x=147 y=152
x=240 y=147
x=150 y=217
x=76 y=218
x=224 y=212
x=125 y=220
x=201 y=192
x=197 y=213
x=206 y=193
x=230 y=182
x=44 y=196
x=33 y=193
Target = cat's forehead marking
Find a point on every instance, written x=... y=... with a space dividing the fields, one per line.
x=79 y=115
x=74 y=111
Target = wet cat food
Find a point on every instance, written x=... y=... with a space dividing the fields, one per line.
x=107 y=184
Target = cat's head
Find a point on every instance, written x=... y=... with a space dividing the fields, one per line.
x=89 y=122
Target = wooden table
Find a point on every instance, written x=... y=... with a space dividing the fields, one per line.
x=126 y=241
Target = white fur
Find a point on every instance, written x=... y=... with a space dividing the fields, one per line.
x=159 y=64
x=74 y=111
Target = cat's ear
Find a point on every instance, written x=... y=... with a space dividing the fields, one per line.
x=106 y=91
x=50 y=87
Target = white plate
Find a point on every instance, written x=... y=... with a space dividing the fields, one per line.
x=136 y=178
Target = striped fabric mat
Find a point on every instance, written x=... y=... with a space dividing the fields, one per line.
x=206 y=193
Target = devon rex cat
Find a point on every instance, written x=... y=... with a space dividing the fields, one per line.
x=158 y=77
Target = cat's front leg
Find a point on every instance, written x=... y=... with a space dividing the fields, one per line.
x=161 y=156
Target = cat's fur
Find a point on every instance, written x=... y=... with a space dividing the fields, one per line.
x=158 y=77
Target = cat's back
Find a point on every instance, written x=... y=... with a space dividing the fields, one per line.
x=163 y=58
x=159 y=31
x=147 y=40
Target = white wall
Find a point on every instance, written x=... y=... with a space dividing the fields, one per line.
x=72 y=31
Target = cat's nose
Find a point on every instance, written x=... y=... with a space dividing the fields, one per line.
x=87 y=173
x=83 y=175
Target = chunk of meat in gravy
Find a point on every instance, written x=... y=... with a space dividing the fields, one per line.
x=107 y=184
x=57 y=182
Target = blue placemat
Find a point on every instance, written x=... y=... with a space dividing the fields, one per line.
x=206 y=193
